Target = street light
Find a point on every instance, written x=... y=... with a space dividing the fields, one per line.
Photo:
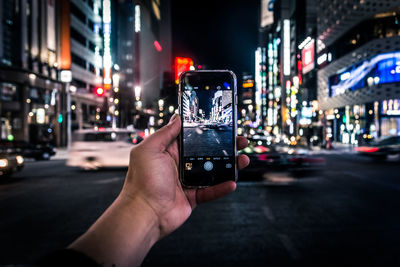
x=138 y=90
x=115 y=79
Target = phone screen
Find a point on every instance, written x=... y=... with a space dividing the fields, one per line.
x=208 y=153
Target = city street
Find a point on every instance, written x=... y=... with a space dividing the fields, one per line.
x=347 y=215
x=210 y=142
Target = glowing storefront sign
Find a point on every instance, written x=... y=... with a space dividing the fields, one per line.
x=258 y=79
x=267 y=12
x=391 y=107
x=306 y=115
x=137 y=18
x=380 y=69
x=322 y=58
x=40 y=115
x=66 y=76
x=307 y=56
x=286 y=47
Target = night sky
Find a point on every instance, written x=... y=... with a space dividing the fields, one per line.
x=221 y=34
x=205 y=101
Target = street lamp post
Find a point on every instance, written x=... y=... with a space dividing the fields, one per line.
x=66 y=77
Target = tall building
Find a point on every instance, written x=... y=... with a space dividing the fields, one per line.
x=358 y=77
x=190 y=104
x=142 y=51
x=87 y=31
x=153 y=51
x=32 y=95
x=246 y=95
x=126 y=21
x=276 y=76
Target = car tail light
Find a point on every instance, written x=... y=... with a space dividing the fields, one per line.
x=367 y=149
x=263 y=157
x=295 y=159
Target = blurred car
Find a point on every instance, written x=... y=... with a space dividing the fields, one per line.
x=93 y=149
x=42 y=151
x=280 y=157
x=10 y=161
x=263 y=158
x=382 y=148
x=223 y=127
x=303 y=163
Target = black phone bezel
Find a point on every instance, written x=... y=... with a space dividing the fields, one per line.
x=180 y=108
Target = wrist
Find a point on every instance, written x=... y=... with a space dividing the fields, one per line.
x=123 y=235
x=136 y=205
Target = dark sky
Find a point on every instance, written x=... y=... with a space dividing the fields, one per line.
x=221 y=34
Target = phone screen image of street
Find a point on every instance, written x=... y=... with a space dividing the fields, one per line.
x=208 y=123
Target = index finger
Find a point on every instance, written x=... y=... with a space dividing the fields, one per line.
x=241 y=142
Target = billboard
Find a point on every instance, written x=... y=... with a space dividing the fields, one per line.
x=267 y=12
x=380 y=69
x=307 y=55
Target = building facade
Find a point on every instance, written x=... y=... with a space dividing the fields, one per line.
x=358 y=79
x=32 y=95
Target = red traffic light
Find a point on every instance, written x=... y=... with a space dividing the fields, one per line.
x=99 y=91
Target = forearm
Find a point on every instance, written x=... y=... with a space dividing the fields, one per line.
x=122 y=236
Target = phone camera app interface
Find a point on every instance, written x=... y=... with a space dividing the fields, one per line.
x=208 y=131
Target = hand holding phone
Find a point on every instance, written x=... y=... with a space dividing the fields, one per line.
x=208 y=136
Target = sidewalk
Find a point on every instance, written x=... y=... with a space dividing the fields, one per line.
x=61 y=154
x=338 y=148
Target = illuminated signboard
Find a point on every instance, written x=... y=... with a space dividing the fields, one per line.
x=306 y=115
x=107 y=42
x=286 y=47
x=137 y=18
x=267 y=12
x=391 y=107
x=182 y=64
x=380 y=69
x=307 y=55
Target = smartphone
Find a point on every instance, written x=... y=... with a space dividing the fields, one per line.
x=207 y=105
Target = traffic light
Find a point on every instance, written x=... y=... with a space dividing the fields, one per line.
x=99 y=91
x=60 y=118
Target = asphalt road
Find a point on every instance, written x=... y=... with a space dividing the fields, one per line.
x=211 y=142
x=347 y=215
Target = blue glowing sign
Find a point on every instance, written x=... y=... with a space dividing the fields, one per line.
x=382 y=68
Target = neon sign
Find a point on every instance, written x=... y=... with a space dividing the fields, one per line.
x=182 y=64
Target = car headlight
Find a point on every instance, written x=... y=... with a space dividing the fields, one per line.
x=3 y=163
x=20 y=159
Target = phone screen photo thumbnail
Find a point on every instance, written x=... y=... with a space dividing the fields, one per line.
x=207 y=122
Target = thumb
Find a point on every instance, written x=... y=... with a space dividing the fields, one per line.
x=166 y=135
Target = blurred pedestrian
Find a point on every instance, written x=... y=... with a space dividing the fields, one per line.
x=151 y=205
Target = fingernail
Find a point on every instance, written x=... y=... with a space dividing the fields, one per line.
x=173 y=118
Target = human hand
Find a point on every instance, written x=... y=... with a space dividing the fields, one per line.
x=153 y=179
